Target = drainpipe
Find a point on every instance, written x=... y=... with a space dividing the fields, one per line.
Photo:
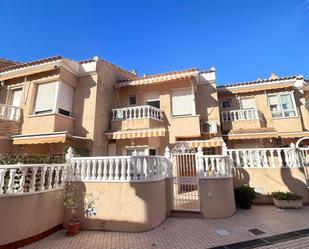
x=194 y=103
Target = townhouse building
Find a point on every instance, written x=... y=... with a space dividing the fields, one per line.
x=272 y=112
x=49 y=104
x=101 y=109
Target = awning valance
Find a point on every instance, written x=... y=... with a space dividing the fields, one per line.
x=294 y=134
x=252 y=133
x=55 y=137
x=160 y=132
x=40 y=139
x=213 y=142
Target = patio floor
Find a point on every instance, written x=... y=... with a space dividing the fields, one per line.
x=194 y=233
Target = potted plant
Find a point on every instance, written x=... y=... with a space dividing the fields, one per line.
x=69 y=196
x=287 y=199
x=244 y=196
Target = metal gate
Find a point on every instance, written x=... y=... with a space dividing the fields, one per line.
x=185 y=181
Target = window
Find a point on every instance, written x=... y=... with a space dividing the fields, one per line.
x=247 y=103
x=132 y=100
x=282 y=105
x=45 y=98
x=16 y=97
x=183 y=102
x=54 y=97
x=226 y=104
x=136 y=152
x=154 y=103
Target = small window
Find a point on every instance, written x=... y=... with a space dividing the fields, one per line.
x=183 y=102
x=132 y=100
x=154 y=103
x=247 y=103
x=45 y=98
x=226 y=104
x=64 y=112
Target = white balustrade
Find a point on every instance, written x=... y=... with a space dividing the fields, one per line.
x=137 y=112
x=269 y=157
x=235 y=115
x=118 y=168
x=22 y=178
x=215 y=166
x=8 y=112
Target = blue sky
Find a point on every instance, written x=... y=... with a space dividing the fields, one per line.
x=243 y=39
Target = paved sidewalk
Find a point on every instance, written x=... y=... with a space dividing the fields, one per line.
x=193 y=233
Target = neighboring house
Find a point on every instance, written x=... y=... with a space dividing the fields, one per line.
x=55 y=102
x=6 y=63
x=156 y=111
x=265 y=113
x=101 y=109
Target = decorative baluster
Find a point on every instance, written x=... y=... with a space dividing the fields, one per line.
x=78 y=171
x=212 y=163
x=218 y=166
x=245 y=159
x=83 y=170
x=117 y=169
x=207 y=166
x=258 y=158
x=94 y=170
x=56 y=183
x=62 y=177
x=105 y=169
x=111 y=170
x=22 y=180
x=237 y=158
x=50 y=177
x=2 y=174
x=123 y=169
x=134 y=160
x=33 y=179
x=100 y=162
x=251 y=162
x=12 y=174
x=88 y=170
x=128 y=169
x=280 y=161
x=272 y=158
x=146 y=169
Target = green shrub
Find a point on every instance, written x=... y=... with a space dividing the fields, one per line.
x=31 y=159
x=244 y=196
x=279 y=195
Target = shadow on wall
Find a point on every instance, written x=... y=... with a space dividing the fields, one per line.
x=82 y=95
x=121 y=206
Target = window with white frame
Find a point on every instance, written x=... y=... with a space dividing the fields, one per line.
x=45 y=98
x=54 y=97
x=282 y=105
x=247 y=103
x=183 y=102
x=16 y=97
x=226 y=104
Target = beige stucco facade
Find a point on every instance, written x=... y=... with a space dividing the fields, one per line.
x=125 y=206
x=267 y=180
x=24 y=216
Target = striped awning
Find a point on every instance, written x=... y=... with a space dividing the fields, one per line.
x=213 y=142
x=294 y=134
x=242 y=134
x=160 y=132
x=40 y=139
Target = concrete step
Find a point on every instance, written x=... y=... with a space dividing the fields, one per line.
x=186 y=214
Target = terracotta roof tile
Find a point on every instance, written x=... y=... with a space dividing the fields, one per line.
x=260 y=81
x=31 y=63
x=156 y=78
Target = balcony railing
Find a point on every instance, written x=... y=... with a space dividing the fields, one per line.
x=137 y=112
x=9 y=112
x=235 y=115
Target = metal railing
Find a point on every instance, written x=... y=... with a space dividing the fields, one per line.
x=137 y=112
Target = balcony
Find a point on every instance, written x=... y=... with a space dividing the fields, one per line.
x=10 y=113
x=241 y=119
x=137 y=117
